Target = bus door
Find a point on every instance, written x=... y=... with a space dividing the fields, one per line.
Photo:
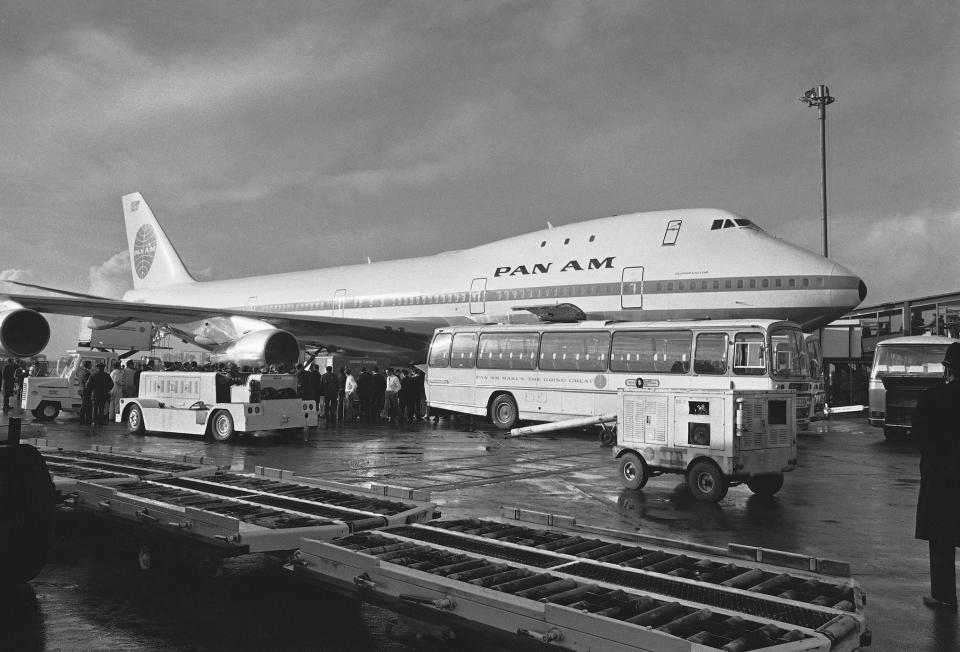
x=478 y=291
x=631 y=287
x=462 y=374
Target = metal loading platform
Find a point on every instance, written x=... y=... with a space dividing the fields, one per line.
x=266 y=511
x=67 y=467
x=610 y=591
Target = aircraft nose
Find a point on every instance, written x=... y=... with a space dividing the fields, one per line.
x=844 y=279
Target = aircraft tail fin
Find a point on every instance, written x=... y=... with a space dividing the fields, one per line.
x=153 y=260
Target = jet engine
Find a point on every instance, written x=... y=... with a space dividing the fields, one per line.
x=260 y=348
x=23 y=332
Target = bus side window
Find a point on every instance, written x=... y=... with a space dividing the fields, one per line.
x=463 y=350
x=711 y=355
x=748 y=354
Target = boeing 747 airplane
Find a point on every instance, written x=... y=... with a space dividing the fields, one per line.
x=675 y=264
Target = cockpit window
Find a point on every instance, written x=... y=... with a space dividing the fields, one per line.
x=729 y=224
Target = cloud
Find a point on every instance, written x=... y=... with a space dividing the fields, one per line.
x=112 y=277
x=24 y=275
x=900 y=256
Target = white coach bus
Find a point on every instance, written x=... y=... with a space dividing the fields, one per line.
x=555 y=371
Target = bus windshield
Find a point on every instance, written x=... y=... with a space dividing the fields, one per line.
x=788 y=354
x=908 y=358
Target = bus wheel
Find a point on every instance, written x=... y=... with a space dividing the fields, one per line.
x=503 y=412
x=134 y=419
x=706 y=482
x=766 y=485
x=633 y=471
x=221 y=428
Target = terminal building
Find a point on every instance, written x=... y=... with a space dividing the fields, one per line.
x=849 y=343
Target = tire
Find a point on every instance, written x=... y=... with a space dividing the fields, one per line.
x=27 y=499
x=153 y=557
x=48 y=410
x=221 y=426
x=633 y=471
x=608 y=436
x=766 y=485
x=134 y=420
x=503 y=412
x=706 y=482
x=894 y=433
x=145 y=557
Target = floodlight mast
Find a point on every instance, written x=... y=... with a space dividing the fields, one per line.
x=819 y=96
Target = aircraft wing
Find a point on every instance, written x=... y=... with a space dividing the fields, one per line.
x=331 y=332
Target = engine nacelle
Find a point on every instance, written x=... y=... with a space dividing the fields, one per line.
x=260 y=348
x=23 y=332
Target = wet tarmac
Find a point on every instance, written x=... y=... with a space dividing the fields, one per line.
x=852 y=498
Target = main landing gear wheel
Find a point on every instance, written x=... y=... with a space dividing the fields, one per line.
x=633 y=471
x=503 y=412
x=766 y=485
x=706 y=482
x=608 y=436
x=134 y=420
x=221 y=427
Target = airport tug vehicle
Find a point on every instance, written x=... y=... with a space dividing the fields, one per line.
x=201 y=403
x=46 y=396
x=717 y=438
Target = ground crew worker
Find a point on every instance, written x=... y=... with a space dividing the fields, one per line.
x=99 y=386
x=128 y=387
x=379 y=391
x=365 y=392
x=86 y=393
x=116 y=375
x=331 y=388
x=9 y=380
x=936 y=430
x=349 y=397
x=392 y=404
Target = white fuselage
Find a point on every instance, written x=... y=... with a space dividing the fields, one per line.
x=661 y=265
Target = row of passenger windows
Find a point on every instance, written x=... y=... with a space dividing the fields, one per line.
x=668 y=352
x=737 y=284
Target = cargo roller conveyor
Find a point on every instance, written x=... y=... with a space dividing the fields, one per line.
x=105 y=462
x=269 y=510
x=600 y=591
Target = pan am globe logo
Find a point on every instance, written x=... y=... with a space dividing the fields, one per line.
x=144 y=249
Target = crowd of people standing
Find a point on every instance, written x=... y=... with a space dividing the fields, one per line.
x=395 y=395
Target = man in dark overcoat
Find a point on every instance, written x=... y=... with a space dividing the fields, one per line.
x=9 y=379
x=99 y=385
x=936 y=431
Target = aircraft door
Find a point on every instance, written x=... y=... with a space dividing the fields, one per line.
x=631 y=287
x=339 y=302
x=478 y=292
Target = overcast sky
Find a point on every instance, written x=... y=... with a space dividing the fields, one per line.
x=276 y=136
